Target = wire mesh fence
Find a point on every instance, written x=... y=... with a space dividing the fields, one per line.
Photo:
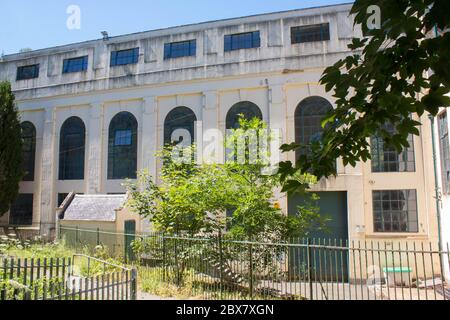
x=316 y=269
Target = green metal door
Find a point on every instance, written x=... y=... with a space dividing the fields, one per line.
x=130 y=231
x=327 y=264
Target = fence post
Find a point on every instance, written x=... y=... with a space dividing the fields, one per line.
x=164 y=257
x=98 y=236
x=251 y=269
x=89 y=267
x=177 y=272
x=221 y=264
x=27 y=294
x=133 y=284
x=76 y=238
x=308 y=260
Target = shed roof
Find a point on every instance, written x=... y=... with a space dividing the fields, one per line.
x=94 y=208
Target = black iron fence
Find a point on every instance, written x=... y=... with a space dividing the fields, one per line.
x=76 y=278
x=219 y=268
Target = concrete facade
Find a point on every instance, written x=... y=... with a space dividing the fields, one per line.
x=277 y=76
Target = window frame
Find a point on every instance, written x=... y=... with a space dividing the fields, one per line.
x=379 y=212
x=22 y=220
x=84 y=64
x=127 y=137
x=191 y=49
x=35 y=74
x=171 y=123
x=324 y=34
x=305 y=123
x=379 y=165
x=29 y=155
x=247 y=108
x=65 y=171
x=239 y=44
x=122 y=154
x=134 y=56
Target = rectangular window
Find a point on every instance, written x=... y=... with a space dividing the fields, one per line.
x=312 y=33
x=123 y=57
x=242 y=41
x=21 y=213
x=75 y=64
x=180 y=49
x=61 y=198
x=27 y=72
x=385 y=158
x=28 y=158
x=444 y=148
x=395 y=211
x=123 y=138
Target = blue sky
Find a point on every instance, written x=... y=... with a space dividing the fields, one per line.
x=42 y=24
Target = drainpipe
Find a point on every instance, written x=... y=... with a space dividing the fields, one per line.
x=437 y=195
x=436 y=184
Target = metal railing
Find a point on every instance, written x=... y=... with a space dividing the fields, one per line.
x=316 y=269
x=75 y=278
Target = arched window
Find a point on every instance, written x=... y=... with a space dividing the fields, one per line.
x=179 y=118
x=122 y=147
x=308 y=120
x=71 y=149
x=247 y=108
x=28 y=150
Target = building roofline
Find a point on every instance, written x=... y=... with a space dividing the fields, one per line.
x=205 y=25
x=101 y=195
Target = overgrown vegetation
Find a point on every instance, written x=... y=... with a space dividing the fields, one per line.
x=50 y=256
x=11 y=246
x=207 y=199
x=224 y=203
x=197 y=287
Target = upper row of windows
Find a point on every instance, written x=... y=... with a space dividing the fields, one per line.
x=246 y=40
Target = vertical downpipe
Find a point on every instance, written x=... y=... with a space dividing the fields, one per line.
x=436 y=190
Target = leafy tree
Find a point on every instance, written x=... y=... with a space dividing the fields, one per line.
x=395 y=72
x=193 y=199
x=11 y=171
x=222 y=202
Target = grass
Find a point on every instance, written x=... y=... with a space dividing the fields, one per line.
x=193 y=286
x=12 y=285
x=11 y=247
x=150 y=280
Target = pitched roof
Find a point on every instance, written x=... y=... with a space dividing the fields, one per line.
x=94 y=208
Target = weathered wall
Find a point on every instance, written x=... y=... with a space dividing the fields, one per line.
x=276 y=77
